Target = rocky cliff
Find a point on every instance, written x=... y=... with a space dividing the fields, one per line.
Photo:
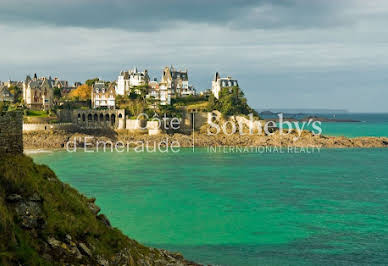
x=46 y=222
x=57 y=139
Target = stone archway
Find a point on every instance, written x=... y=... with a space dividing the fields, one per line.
x=113 y=120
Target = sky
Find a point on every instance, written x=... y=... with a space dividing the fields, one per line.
x=284 y=53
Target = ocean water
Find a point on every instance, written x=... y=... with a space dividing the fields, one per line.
x=372 y=125
x=322 y=208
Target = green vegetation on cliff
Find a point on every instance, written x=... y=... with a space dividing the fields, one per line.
x=46 y=222
x=231 y=102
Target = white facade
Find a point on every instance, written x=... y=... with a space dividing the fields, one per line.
x=164 y=94
x=220 y=83
x=130 y=79
x=103 y=96
x=188 y=91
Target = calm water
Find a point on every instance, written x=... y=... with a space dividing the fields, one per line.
x=327 y=208
x=373 y=125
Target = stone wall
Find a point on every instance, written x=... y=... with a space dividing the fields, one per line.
x=11 y=132
x=45 y=127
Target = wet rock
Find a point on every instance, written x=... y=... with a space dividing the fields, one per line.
x=104 y=220
x=94 y=208
x=84 y=249
x=14 y=198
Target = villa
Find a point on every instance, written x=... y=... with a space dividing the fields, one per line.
x=38 y=92
x=103 y=96
x=177 y=81
x=5 y=95
x=130 y=79
x=219 y=83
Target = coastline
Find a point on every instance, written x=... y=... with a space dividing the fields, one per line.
x=51 y=140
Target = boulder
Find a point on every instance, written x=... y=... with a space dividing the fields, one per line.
x=84 y=249
x=94 y=208
x=14 y=198
x=104 y=220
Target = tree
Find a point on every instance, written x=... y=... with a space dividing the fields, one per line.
x=231 y=102
x=4 y=106
x=17 y=93
x=82 y=93
x=91 y=82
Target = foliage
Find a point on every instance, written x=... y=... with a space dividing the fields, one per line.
x=135 y=107
x=91 y=82
x=191 y=99
x=82 y=93
x=231 y=102
x=4 y=106
x=57 y=93
x=169 y=111
x=65 y=211
x=17 y=93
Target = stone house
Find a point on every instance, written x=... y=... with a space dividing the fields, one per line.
x=103 y=96
x=38 y=93
x=177 y=81
x=219 y=83
x=6 y=95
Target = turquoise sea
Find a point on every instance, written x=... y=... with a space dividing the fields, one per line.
x=322 y=208
x=371 y=125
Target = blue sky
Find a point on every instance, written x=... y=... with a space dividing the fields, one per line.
x=285 y=54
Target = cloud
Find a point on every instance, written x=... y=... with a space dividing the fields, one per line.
x=299 y=49
x=155 y=15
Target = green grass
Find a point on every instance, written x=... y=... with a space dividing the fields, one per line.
x=65 y=212
x=37 y=113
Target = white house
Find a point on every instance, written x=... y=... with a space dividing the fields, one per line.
x=131 y=79
x=103 y=96
x=164 y=93
x=220 y=83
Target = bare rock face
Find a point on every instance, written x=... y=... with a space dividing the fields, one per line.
x=85 y=250
x=28 y=212
x=14 y=198
x=104 y=220
x=94 y=208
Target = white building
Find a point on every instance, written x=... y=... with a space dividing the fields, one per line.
x=130 y=79
x=164 y=93
x=219 y=83
x=103 y=96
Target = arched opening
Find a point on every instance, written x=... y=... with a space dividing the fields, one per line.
x=120 y=115
x=89 y=117
x=101 y=118
x=95 y=117
x=113 y=120
x=79 y=115
x=83 y=117
x=106 y=117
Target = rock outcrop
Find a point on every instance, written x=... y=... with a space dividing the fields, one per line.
x=46 y=222
x=58 y=139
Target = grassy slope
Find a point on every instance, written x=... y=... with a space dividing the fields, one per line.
x=65 y=211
